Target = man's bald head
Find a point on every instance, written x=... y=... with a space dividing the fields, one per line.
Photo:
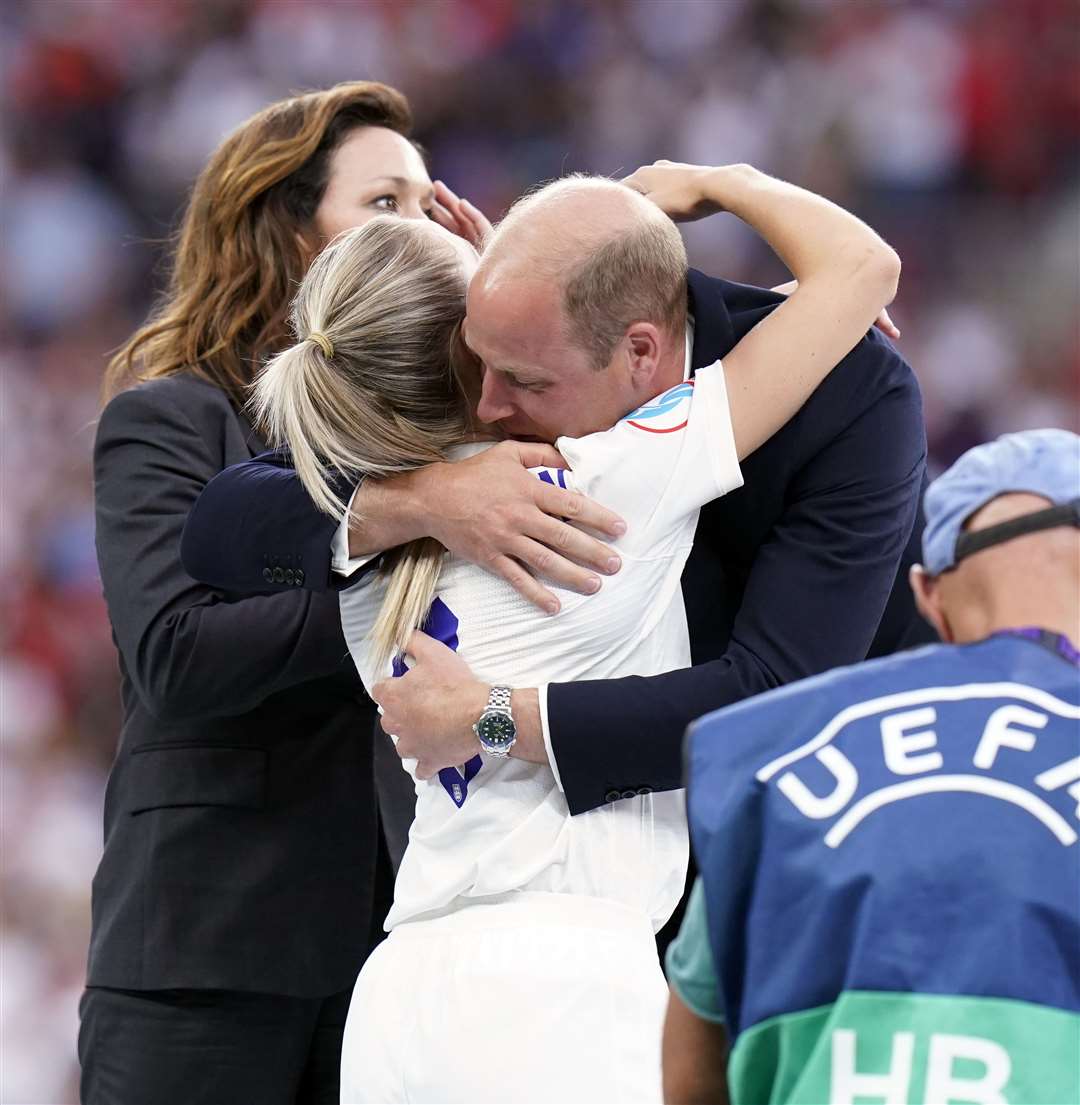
x=1033 y=579
x=613 y=256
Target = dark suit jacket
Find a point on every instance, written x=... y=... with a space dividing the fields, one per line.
x=790 y=575
x=240 y=820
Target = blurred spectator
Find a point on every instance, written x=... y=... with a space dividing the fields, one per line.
x=952 y=126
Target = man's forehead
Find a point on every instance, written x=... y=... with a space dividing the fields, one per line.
x=512 y=311
x=505 y=291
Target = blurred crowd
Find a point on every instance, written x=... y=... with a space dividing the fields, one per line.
x=952 y=127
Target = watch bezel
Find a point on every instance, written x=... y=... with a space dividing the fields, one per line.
x=496 y=746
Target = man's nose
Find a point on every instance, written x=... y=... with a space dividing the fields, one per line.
x=494 y=404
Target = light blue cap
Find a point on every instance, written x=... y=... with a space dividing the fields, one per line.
x=1041 y=462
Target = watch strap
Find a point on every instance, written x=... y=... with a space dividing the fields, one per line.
x=499 y=699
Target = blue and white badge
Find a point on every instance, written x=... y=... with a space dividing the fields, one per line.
x=666 y=413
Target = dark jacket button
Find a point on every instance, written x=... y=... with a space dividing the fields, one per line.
x=612 y=796
x=279 y=576
x=268 y=575
x=629 y=794
x=644 y=790
x=290 y=575
x=299 y=577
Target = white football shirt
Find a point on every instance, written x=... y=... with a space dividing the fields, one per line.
x=498 y=825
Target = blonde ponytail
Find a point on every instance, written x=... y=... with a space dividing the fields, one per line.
x=298 y=400
x=412 y=576
x=370 y=388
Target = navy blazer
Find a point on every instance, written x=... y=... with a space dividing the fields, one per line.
x=801 y=570
x=241 y=830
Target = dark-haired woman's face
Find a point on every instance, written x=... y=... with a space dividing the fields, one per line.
x=375 y=171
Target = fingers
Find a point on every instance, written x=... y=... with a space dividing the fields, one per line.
x=578 y=509
x=570 y=542
x=534 y=454
x=886 y=325
x=555 y=567
x=449 y=201
x=527 y=586
x=469 y=222
x=635 y=182
x=447 y=212
x=444 y=218
x=421 y=647
x=479 y=221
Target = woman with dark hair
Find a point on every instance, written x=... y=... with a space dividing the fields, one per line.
x=244 y=878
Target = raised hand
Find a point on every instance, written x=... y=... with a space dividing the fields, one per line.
x=679 y=190
x=459 y=216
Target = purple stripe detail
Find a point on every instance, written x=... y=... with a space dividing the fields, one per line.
x=562 y=478
x=442 y=624
x=1056 y=642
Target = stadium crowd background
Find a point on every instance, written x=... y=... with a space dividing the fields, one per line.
x=951 y=127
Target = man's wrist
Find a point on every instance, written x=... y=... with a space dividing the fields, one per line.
x=525 y=707
x=388 y=512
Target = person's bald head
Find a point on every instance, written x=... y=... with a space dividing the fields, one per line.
x=611 y=256
x=1031 y=580
x=577 y=310
x=1001 y=544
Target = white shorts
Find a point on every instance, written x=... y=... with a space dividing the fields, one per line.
x=526 y=998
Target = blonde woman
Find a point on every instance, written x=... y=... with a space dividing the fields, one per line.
x=521 y=964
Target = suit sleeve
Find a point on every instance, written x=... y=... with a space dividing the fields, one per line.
x=813 y=601
x=254 y=517
x=189 y=653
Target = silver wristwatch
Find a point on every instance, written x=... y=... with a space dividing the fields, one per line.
x=495 y=728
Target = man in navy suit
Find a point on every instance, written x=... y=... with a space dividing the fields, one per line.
x=791 y=575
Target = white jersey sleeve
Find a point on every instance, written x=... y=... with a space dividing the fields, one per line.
x=662 y=462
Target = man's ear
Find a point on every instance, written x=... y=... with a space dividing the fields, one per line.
x=928 y=601
x=644 y=346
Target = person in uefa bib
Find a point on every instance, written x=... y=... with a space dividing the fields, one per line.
x=889 y=900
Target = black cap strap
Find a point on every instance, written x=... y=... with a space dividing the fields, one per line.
x=1068 y=514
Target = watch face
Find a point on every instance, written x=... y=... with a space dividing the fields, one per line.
x=496 y=730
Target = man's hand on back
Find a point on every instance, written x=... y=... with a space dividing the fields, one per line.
x=490 y=510
x=432 y=707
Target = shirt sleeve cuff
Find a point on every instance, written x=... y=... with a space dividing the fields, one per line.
x=340 y=562
x=545 y=729
x=695 y=1002
x=724 y=457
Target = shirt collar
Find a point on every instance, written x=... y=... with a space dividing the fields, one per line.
x=1055 y=642
x=688 y=369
